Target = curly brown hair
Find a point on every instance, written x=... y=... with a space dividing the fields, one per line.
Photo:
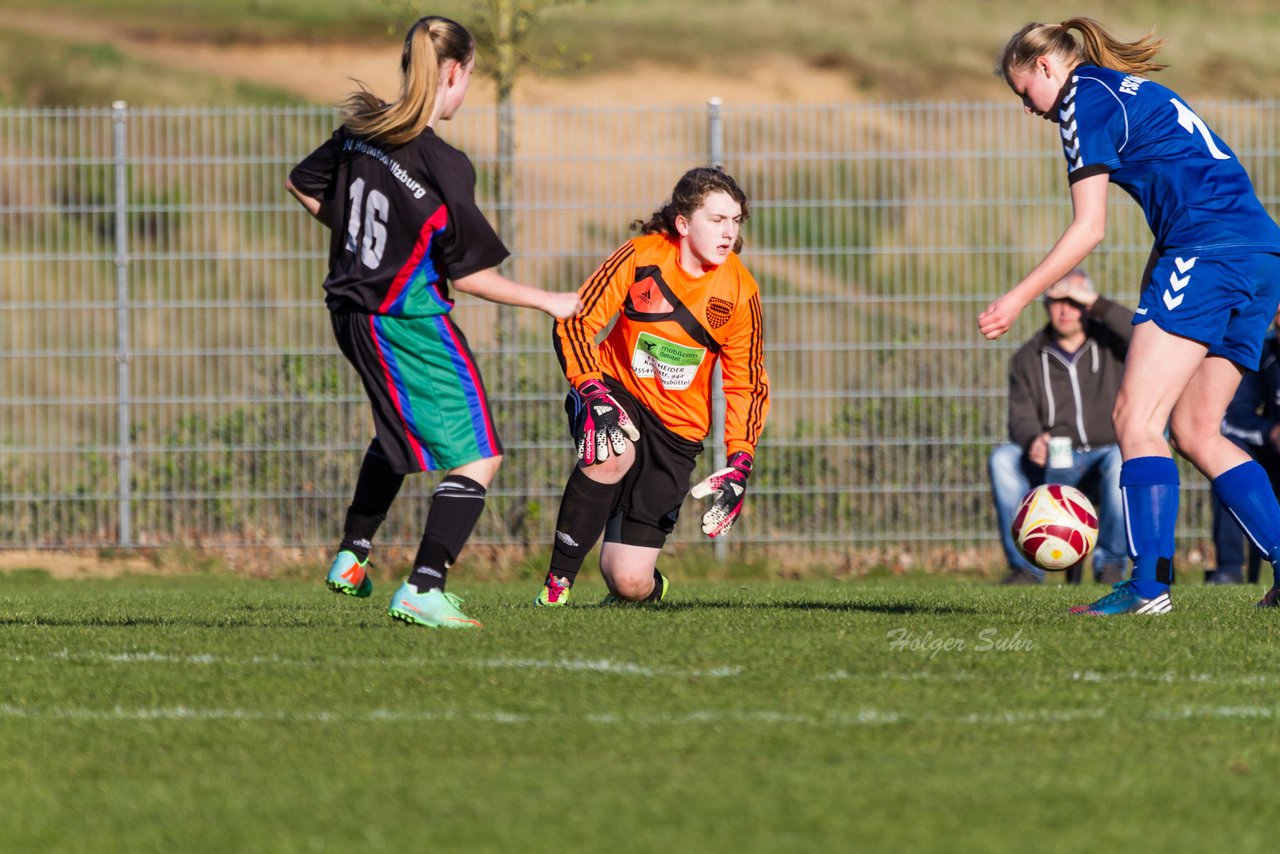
x=691 y=191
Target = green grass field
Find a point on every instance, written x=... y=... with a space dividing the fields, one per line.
x=214 y=713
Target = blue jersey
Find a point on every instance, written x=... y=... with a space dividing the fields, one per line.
x=1192 y=188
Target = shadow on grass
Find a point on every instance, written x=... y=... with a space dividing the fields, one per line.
x=131 y=622
x=905 y=607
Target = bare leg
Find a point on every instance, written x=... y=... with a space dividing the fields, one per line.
x=481 y=471
x=1159 y=368
x=1196 y=422
x=629 y=570
x=1157 y=371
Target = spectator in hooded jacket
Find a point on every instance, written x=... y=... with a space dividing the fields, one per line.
x=1062 y=386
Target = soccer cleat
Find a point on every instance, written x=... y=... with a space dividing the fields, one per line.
x=434 y=609
x=615 y=599
x=1270 y=599
x=1124 y=599
x=554 y=593
x=347 y=574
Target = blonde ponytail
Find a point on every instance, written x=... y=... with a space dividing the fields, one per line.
x=1099 y=47
x=430 y=42
x=1096 y=46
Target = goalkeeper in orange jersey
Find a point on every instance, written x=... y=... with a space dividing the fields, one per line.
x=640 y=405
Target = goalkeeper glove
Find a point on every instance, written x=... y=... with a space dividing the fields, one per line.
x=603 y=425
x=728 y=487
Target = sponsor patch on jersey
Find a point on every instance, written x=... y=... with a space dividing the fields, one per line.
x=718 y=312
x=647 y=297
x=673 y=365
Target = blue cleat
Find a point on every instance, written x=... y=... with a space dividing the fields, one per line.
x=434 y=609
x=1124 y=599
x=347 y=574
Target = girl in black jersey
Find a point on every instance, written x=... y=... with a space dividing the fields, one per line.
x=400 y=206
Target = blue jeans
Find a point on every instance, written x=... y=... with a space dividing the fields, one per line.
x=1095 y=472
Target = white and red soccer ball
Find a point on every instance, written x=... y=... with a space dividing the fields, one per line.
x=1055 y=526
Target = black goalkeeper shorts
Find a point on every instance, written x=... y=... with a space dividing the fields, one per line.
x=648 y=504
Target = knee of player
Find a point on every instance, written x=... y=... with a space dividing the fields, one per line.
x=633 y=587
x=482 y=471
x=1189 y=438
x=1132 y=425
x=493 y=464
x=627 y=576
x=1181 y=441
x=612 y=469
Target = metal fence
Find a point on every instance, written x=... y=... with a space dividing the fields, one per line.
x=167 y=374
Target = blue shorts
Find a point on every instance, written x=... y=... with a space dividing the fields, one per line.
x=1225 y=302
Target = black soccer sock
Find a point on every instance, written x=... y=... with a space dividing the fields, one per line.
x=456 y=506
x=584 y=511
x=376 y=488
x=358 y=535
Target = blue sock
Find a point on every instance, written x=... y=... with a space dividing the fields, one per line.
x=1150 y=489
x=1246 y=492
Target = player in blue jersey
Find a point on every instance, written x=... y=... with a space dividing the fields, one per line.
x=1208 y=293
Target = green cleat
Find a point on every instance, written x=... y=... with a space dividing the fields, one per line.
x=347 y=574
x=555 y=592
x=434 y=609
x=657 y=597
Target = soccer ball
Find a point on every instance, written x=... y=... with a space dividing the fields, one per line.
x=1055 y=526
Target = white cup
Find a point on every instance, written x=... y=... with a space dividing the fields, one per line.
x=1060 y=456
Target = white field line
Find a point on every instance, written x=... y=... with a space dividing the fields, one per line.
x=622 y=668
x=860 y=717
x=1091 y=676
x=210 y=659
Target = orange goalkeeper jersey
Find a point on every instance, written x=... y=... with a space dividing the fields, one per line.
x=671 y=330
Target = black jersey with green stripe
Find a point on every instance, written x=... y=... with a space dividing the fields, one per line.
x=403 y=219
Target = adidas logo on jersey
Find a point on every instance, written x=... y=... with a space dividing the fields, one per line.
x=647 y=297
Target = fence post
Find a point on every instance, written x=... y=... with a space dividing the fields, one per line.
x=715 y=156
x=715 y=133
x=124 y=533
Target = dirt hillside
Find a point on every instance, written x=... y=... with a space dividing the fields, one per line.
x=322 y=72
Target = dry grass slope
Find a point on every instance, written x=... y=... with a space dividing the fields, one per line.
x=635 y=51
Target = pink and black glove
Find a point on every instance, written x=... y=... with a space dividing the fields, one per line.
x=728 y=486
x=604 y=424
